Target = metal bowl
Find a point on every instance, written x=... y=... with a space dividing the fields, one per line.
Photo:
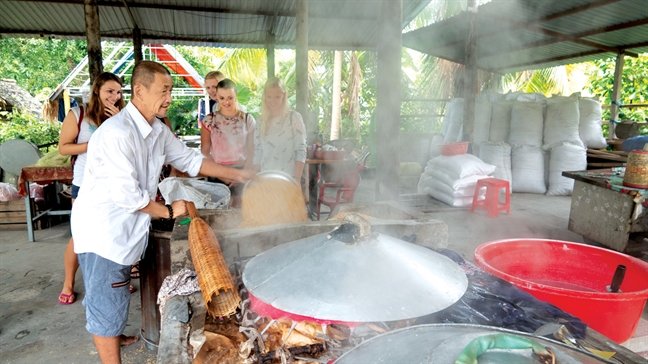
x=271 y=174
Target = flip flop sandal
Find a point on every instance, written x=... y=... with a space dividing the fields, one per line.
x=132 y=289
x=135 y=272
x=67 y=298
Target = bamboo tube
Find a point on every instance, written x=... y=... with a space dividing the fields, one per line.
x=216 y=283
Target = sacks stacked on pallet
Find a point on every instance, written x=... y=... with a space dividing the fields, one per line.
x=533 y=126
x=499 y=155
x=525 y=138
x=589 y=127
x=481 y=132
x=452 y=179
x=452 y=128
x=562 y=141
x=565 y=156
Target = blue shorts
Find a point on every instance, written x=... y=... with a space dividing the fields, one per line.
x=107 y=296
x=75 y=191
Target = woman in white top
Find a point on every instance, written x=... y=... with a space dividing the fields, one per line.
x=280 y=143
x=105 y=101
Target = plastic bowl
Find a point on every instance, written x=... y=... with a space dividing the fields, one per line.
x=574 y=278
x=454 y=148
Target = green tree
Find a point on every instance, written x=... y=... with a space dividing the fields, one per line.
x=39 y=65
x=634 y=88
x=25 y=125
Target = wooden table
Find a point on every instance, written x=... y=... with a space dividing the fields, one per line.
x=43 y=175
x=314 y=168
x=605 y=211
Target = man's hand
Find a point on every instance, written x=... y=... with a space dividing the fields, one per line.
x=179 y=208
x=244 y=175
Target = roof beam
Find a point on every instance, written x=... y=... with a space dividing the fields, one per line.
x=537 y=21
x=204 y=9
x=156 y=38
x=564 y=37
x=587 y=33
x=573 y=11
x=553 y=59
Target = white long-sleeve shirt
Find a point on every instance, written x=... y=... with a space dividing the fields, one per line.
x=123 y=165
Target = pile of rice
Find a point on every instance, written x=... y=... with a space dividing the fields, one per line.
x=269 y=201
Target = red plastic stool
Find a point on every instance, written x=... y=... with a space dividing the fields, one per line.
x=491 y=202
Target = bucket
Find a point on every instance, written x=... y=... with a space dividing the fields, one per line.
x=636 y=172
x=574 y=278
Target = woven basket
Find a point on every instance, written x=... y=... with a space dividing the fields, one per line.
x=216 y=283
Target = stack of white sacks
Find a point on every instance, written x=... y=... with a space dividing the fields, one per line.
x=452 y=179
x=529 y=138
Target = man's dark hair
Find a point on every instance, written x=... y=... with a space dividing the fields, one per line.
x=144 y=73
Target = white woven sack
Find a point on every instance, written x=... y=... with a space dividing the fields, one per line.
x=467 y=191
x=455 y=184
x=482 y=123
x=526 y=97
x=449 y=199
x=589 y=128
x=528 y=170
x=561 y=121
x=526 y=124
x=564 y=157
x=499 y=155
x=435 y=145
x=460 y=166
x=500 y=124
x=424 y=184
x=454 y=115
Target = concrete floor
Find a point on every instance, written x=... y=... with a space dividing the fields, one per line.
x=36 y=329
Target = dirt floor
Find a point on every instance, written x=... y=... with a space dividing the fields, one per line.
x=36 y=329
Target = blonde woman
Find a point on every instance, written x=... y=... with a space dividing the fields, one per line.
x=211 y=84
x=280 y=143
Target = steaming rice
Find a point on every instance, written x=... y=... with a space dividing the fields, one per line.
x=269 y=201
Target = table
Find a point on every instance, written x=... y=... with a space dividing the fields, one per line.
x=313 y=169
x=605 y=211
x=43 y=175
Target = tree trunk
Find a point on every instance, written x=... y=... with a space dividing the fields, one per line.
x=336 y=96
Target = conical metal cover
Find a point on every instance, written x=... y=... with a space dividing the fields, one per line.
x=379 y=278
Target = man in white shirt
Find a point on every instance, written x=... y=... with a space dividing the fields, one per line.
x=111 y=216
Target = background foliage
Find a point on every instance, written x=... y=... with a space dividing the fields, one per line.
x=24 y=125
x=634 y=86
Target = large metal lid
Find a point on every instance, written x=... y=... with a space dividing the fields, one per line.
x=353 y=275
x=442 y=343
x=16 y=154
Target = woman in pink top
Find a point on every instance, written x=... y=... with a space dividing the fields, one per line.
x=227 y=136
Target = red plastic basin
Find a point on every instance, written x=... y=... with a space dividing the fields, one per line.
x=573 y=277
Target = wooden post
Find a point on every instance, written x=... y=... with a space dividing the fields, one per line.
x=270 y=54
x=470 y=73
x=93 y=38
x=616 y=92
x=336 y=97
x=301 y=60
x=137 y=44
x=388 y=99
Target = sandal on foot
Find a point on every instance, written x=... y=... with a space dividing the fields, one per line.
x=68 y=299
x=132 y=289
x=135 y=273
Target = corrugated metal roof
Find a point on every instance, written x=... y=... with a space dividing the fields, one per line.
x=333 y=24
x=527 y=34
